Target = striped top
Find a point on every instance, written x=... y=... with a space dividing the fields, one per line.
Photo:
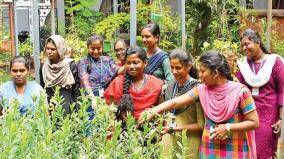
x=236 y=145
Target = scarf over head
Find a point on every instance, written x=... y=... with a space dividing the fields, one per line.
x=58 y=73
x=220 y=103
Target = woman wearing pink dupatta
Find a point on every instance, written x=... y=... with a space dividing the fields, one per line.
x=230 y=115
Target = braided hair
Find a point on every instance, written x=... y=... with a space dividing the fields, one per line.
x=90 y=40
x=216 y=62
x=126 y=103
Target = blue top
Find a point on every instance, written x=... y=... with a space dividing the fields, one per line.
x=9 y=94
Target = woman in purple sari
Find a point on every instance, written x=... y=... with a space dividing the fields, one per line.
x=263 y=74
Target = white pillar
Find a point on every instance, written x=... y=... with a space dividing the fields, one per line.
x=16 y=28
x=183 y=24
x=133 y=27
x=269 y=22
x=35 y=25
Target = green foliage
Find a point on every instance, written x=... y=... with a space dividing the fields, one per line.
x=26 y=48
x=210 y=20
x=109 y=25
x=80 y=6
x=39 y=135
x=84 y=25
x=78 y=47
x=169 y=24
x=82 y=18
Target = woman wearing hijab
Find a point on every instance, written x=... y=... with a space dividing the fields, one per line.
x=60 y=70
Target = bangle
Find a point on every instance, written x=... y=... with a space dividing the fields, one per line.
x=228 y=127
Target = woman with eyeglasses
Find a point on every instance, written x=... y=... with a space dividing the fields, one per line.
x=119 y=49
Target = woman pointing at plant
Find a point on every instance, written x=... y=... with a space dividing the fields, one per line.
x=230 y=114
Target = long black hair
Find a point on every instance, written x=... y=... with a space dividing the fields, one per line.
x=215 y=61
x=255 y=37
x=185 y=58
x=90 y=40
x=126 y=103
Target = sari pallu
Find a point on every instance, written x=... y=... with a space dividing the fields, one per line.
x=155 y=61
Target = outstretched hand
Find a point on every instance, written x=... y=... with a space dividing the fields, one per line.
x=145 y=116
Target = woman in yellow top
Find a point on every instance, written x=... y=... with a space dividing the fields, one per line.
x=191 y=118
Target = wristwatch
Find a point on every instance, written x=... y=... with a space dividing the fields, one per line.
x=228 y=127
x=171 y=130
x=172 y=126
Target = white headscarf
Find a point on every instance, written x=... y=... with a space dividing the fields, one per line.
x=58 y=73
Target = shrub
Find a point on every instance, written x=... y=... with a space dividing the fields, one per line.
x=39 y=135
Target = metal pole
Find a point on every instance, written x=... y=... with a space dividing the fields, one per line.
x=61 y=16
x=35 y=27
x=16 y=28
x=52 y=18
x=183 y=24
x=115 y=8
x=269 y=22
x=133 y=26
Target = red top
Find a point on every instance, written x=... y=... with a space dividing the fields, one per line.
x=142 y=100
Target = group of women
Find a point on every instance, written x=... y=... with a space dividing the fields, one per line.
x=222 y=118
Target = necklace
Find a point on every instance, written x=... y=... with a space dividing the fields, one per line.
x=140 y=85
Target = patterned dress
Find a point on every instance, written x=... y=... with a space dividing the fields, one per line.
x=99 y=75
x=236 y=145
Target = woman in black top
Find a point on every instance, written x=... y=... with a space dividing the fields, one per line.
x=60 y=70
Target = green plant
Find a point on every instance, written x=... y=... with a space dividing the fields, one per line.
x=210 y=20
x=108 y=26
x=81 y=17
x=78 y=47
x=80 y=6
x=39 y=135
x=26 y=48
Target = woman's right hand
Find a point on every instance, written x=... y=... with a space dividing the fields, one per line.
x=145 y=116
